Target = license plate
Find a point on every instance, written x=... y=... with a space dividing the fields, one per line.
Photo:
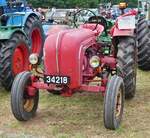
x=56 y=79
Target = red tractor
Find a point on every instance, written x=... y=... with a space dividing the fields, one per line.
x=75 y=61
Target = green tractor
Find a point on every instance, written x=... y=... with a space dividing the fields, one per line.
x=21 y=33
x=143 y=34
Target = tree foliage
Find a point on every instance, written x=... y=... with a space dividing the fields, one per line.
x=75 y=3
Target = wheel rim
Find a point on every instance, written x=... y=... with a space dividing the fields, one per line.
x=118 y=106
x=20 y=59
x=28 y=101
x=36 y=41
x=135 y=73
x=28 y=104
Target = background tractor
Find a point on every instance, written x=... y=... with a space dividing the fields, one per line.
x=120 y=9
x=143 y=34
x=81 y=62
x=21 y=33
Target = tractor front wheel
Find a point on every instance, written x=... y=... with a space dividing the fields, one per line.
x=14 y=56
x=114 y=103
x=23 y=105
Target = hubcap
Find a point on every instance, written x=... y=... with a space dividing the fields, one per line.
x=28 y=104
x=20 y=59
x=118 y=104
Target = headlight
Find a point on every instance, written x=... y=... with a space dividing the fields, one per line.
x=33 y=59
x=94 y=61
x=122 y=5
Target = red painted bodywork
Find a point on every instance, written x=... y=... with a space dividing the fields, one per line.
x=109 y=61
x=67 y=52
x=56 y=29
x=37 y=41
x=64 y=52
x=20 y=59
x=115 y=31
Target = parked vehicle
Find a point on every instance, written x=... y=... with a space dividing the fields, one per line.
x=21 y=34
x=57 y=16
x=74 y=59
x=120 y=9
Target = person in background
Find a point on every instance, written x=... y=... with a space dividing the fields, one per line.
x=115 y=12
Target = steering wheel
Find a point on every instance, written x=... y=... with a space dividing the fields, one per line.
x=101 y=20
x=81 y=13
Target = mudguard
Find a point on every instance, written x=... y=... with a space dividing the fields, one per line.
x=19 y=18
x=3 y=3
x=27 y=14
x=6 y=34
x=64 y=52
x=115 y=31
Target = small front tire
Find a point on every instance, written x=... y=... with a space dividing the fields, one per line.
x=23 y=105
x=114 y=103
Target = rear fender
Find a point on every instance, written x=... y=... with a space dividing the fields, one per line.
x=6 y=34
x=19 y=19
x=29 y=14
x=117 y=32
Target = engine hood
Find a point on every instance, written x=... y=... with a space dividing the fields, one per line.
x=63 y=53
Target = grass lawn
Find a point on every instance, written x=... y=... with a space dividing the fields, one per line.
x=80 y=116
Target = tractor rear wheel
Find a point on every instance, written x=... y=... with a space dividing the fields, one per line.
x=23 y=105
x=127 y=64
x=34 y=31
x=143 y=38
x=14 y=55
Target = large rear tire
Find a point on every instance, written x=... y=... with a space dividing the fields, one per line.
x=34 y=30
x=23 y=105
x=127 y=63
x=143 y=39
x=14 y=55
